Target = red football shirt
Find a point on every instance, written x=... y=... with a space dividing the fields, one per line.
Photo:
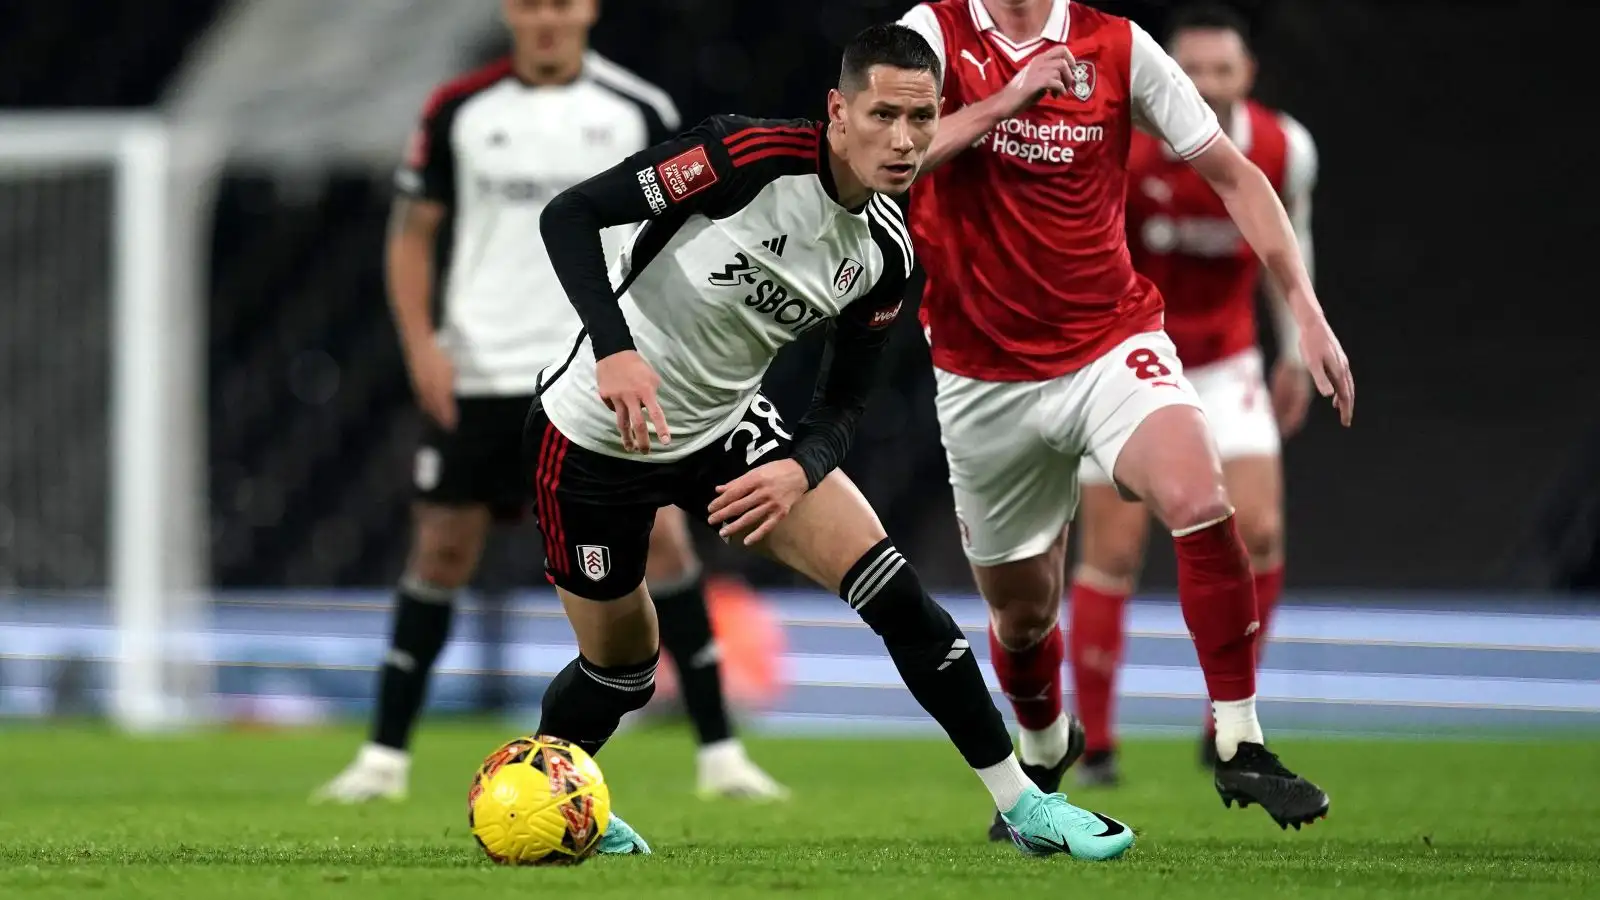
x=1023 y=236
x=1184 y=241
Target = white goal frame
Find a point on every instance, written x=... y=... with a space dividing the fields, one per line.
x=164 y=180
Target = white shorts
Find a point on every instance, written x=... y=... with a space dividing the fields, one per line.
x=1233 y=394
x=1014 y=447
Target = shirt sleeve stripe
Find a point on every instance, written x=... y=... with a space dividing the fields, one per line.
x=1204 y=145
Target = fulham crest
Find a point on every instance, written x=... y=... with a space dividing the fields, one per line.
x=1082 y=80
x=594 y=561
x=845 y=278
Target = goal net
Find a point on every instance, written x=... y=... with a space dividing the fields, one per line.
x=101 y=433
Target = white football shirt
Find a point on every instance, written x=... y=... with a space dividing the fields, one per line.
x=494 y=151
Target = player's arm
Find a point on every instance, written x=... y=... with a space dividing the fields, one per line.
x=425 y=192
x=635 y=190
x=851 y=366
x=1167 y=104
x=1051 y=71
x=1300 y=179
x=755 y=502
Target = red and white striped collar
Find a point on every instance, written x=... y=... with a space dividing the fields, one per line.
x=1055 y=27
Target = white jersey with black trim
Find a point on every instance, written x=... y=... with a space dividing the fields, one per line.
x=494 y=151
x=745 y=249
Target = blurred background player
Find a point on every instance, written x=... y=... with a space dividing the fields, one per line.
x=1183 y=240
x=1048 y=348
x=493 y=147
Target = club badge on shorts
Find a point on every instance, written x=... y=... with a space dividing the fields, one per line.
x=594 y=561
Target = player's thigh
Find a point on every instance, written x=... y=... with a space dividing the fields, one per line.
x=1238 y=406
x=1144 y=424
x=1233 y=392
x=672 y=553
x=1014 y=493
x=1112 y=532
x=595 y=514
x=447 y=537
x=826 y=532
x=504 y=480
x=449 y=516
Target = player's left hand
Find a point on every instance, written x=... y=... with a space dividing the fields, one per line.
x=1329 y=367
x=758 y=500
x=1291 y=395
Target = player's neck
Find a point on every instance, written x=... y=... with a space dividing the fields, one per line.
x=1019 y=20
x=848 y=191
x=545 y=73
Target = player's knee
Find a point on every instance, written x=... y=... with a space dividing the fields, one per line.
x=442 y=561
x=1024 y=598
x=1262 y=533
x=1111 y=559
x=1184 y=506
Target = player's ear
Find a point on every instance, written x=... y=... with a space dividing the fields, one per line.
x=1249 y=74
x=836 y=107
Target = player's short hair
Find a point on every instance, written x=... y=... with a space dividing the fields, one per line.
x=885 y=45
x=1208 y=17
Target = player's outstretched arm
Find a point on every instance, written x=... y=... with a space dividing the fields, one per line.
x=1166 y=103
x=1255 y=207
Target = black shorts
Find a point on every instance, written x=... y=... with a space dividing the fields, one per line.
x=595 y=511
x=481 y=461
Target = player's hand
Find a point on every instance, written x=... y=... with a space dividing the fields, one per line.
x=628 y=385
x=758 y=500
x=1329 y=367
x=1049 y=73
x=1291 y=395
x=434 y=380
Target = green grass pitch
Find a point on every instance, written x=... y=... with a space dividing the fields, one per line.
x=87 y=814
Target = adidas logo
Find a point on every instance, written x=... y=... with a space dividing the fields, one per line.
x=776 y=244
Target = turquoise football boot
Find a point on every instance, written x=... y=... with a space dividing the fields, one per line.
x=1045 y=824
x=621 y=840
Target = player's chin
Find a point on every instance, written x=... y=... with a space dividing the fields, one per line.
x=895 y=178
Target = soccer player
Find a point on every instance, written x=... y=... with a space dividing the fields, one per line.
x=1183 y=240
x=757 y=231
x=492 y=149
x=1048 y=347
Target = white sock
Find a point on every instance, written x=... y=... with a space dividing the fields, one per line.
x=1047 y=747
x=1236 y=724
x=723 y=752
x=1006 y=783
x=377 y=756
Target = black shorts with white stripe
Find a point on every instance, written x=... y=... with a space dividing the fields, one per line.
x=595 y=511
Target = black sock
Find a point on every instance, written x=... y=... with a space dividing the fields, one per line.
x=422 y=616
x=686 y=635
x=585 y=702
x=934 y=658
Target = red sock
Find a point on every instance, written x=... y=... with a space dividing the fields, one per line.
x=1218 y=596
x=1031 y=678
x=1094 y=637
x=1269 y=587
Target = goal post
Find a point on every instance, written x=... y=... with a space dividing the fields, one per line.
x=108 y=228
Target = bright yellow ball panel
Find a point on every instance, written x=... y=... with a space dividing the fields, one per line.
x=539 y=801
